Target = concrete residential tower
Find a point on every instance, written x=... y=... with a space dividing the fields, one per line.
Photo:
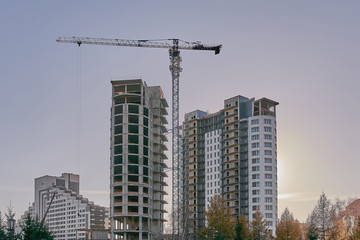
x=231 y=153
x=137 y=160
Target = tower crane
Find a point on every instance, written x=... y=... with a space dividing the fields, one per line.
x=174 y=46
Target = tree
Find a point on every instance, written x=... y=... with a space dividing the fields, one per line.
x=288 y=227
x=2 y=228
x=322 y=217
x=356 y=233
x=258 y=227
x=220 y=225
x=242 y=229
x=32 y=229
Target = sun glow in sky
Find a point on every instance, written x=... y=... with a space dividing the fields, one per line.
x=304 y=55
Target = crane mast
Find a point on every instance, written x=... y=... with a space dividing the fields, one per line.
x=174 y=45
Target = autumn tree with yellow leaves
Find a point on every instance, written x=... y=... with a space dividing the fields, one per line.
x=288 y=228
x=220 y=224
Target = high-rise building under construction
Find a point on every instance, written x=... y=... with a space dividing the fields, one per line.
x=231 y=153
x=137 y=161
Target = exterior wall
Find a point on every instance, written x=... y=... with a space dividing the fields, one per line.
x=263 y=168
x=137 y=160
x=213 y=164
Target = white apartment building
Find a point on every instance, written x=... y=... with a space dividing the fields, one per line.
x=70 y=216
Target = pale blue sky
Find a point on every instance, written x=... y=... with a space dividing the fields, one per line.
x=303 y=54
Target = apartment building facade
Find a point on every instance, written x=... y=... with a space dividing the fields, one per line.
x=231 y=153
x=137 y=163
x=70 y=216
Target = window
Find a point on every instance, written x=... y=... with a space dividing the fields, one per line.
x=256 y=200
x=268 y=191
x=254 y=121
x=256 y=176
x=267 y=129
x=268 y=184
x=268 y=207
x=255 y=129
x=255 y=137
x=268 y=168
x=267 y=121
x=255 y=153
x=267 y=137
x=256 y=184
x=255 y=145
x=268 y=144
x=268 y=160
x=256 y=192
x=256 y=168
x=255 y=207
x=268 y=152
x=256 y=160
x=268 y=176
x=268 y=199
x=268 y=215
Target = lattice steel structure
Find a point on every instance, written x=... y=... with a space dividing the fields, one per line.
x=174 y=45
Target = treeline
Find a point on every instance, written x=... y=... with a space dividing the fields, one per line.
x=31 y=229
x=323 y=223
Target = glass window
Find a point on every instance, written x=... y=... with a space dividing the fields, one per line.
x=267 y=121
x=255 y=129
x=268 y=160
x=268 y=152
x=254 y=121
x=255 y=145
x=256 y=184
x=268 y=144
x=267 y=129
x=268 y=184
x=267 y=137
x=268 y=168
x=255 y=137
x=256 y=160
x=254 y=153
x=256 y=168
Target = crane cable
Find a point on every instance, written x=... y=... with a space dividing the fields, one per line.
x=78 y=110
x=78 y=120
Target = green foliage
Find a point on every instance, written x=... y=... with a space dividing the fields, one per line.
x=312 y=233
x=2 y=228
x=356 y=233
x=32 y=229
x=322 y=217
x=220 y=223
x=242 y=229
